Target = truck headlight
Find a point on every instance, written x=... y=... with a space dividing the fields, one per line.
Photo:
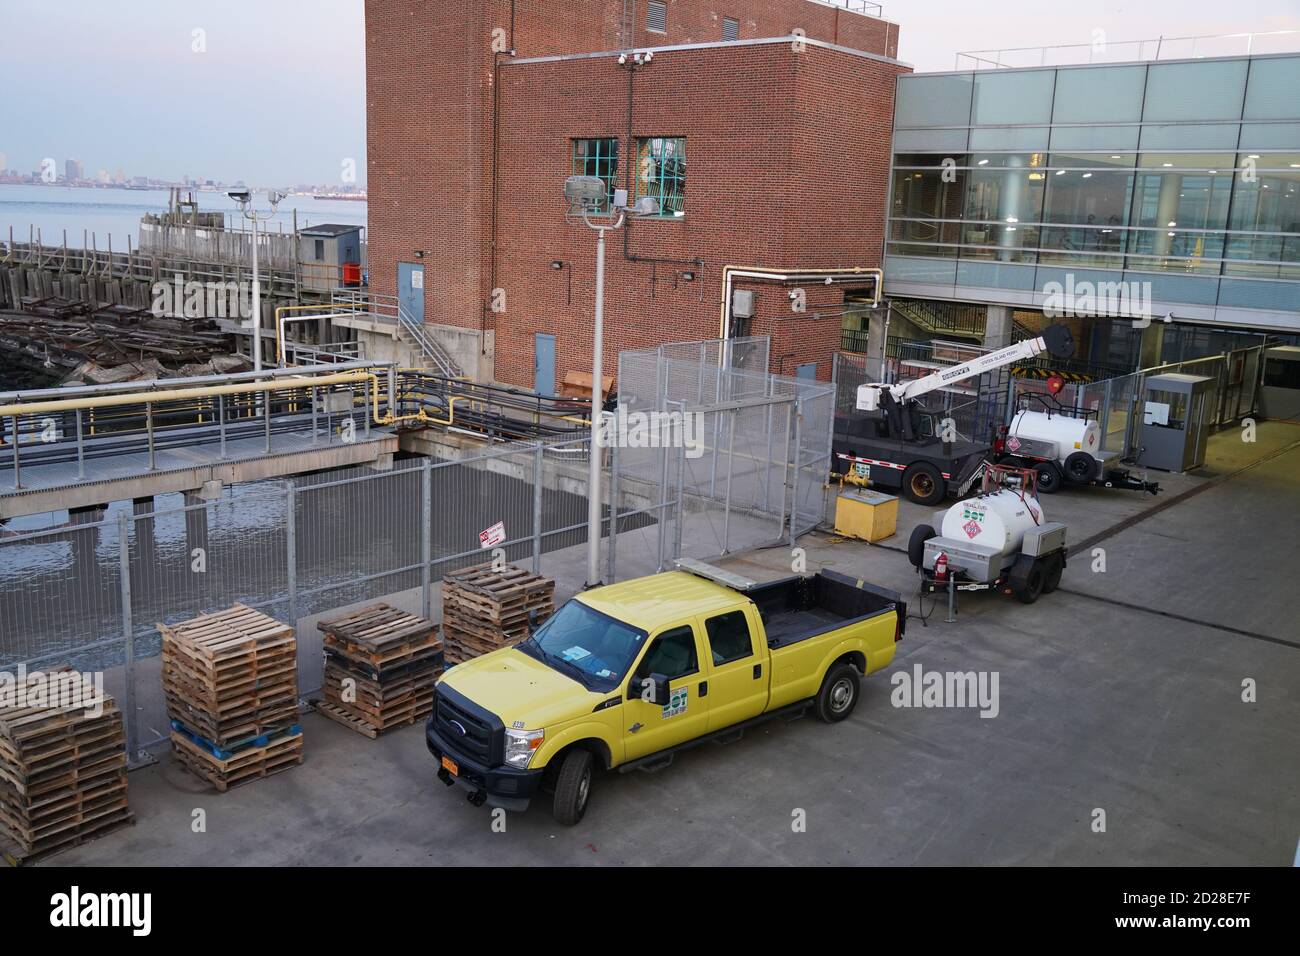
x=521 y=745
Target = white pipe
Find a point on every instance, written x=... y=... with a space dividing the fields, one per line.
x=787 y=275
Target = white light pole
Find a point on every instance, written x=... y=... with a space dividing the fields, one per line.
x=245 y=200
x=586 y=194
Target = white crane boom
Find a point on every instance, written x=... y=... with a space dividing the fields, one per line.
x=1055 y=339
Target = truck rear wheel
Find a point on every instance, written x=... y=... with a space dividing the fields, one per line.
x=916 y=544
x=1027 y=578
x=839 y=693
x=1052 y=579
x=1081 y=467
x=923 y=484
x=1049 y=477
x=572 y=787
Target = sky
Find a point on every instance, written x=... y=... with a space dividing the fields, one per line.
x=273 y=91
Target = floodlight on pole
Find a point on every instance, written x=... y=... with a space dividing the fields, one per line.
x=586 y=196
x=244 y=198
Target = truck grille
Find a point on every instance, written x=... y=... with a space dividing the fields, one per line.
x=467 y=731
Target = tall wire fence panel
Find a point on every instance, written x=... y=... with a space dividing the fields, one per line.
x=751 y=467
x=91 y=592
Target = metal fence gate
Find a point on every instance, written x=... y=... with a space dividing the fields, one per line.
x=755 y=475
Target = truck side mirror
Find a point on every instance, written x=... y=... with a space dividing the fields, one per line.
x=652 y=689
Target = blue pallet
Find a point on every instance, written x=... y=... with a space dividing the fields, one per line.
x=261 y=740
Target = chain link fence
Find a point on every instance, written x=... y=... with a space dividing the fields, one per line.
x=751 y=472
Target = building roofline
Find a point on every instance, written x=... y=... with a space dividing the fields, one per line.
x=715 y=44
x=1101 y=66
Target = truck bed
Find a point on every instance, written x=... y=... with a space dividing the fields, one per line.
x=797 y=608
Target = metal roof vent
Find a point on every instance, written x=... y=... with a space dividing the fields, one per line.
x=656 y=17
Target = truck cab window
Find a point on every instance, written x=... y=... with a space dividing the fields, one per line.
x=729 y=638
x=672 y=654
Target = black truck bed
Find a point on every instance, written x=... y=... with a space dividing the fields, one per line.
x=796 y=608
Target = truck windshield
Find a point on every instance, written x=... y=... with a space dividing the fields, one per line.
x=591 y=647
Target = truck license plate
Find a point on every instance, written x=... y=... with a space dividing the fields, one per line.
x=451 y=767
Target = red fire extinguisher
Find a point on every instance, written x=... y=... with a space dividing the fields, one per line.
x=941 y=566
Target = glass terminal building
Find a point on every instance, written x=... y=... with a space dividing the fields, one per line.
x=1183 y=175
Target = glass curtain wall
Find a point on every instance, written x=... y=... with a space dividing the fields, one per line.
x=1178 y=169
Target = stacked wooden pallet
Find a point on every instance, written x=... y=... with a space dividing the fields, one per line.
x=62 y=770
x=231 y=683
x=484 y=609
x=380 y=667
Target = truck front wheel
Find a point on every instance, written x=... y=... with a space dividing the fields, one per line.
x=572 y=787
x=839 y=693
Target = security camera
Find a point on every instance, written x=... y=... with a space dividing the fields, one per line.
x=240 y=195
x=649 y=56
x=622 y=59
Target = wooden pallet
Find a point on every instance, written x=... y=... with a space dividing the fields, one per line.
x=485 y=609
x=252 y=763
x=379 y=635
x=62 y=773
x=370 y=727
x=230 y=675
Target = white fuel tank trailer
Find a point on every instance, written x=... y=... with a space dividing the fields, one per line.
x=998 y=520
x=1064 y=433
x=999 y=539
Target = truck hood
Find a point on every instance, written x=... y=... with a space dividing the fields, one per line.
x=520 y=690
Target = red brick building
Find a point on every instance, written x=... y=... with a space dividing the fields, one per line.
x=765 y=152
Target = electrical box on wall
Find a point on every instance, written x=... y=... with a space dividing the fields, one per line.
x=742 y=303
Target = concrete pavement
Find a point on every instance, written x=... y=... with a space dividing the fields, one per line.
x=1121 y=693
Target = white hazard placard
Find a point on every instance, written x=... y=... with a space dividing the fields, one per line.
x=493 y=536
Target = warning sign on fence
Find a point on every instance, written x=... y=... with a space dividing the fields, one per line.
x=492 y=536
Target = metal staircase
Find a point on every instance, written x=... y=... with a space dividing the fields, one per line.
x=413 y=330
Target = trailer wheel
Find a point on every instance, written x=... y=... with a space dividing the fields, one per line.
x=1049 y=477
x=916 y=544
x=1027 y=578
x=1052 y=579
x=839 y=693
x=923 y=484
x=572 y=787
x=1081 y=467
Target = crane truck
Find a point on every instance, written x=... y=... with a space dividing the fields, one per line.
x=898 y=444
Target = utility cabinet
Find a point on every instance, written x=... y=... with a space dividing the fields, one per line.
x=1176 y=412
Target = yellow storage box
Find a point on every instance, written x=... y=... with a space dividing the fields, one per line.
x=864 y=514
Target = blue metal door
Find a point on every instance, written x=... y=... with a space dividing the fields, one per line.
x=544 y=363
x=808 y=370
x=410 y=289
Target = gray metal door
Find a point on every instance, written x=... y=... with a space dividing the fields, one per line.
x=544 y=363
x=410 y=289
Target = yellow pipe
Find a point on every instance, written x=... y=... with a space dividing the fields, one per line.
x=162 y=395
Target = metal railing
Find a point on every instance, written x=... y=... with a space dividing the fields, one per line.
x=384 y=308
x=1132 y=51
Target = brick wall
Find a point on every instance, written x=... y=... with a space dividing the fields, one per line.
x=787 y=156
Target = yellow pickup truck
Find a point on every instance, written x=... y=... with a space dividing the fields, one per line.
x=621 y=677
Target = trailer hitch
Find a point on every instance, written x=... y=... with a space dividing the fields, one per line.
x=1122 y=478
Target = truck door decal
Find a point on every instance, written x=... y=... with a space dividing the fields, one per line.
x=676 y=703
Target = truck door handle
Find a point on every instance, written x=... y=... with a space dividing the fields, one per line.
x=758 y=671
x=704 y=688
